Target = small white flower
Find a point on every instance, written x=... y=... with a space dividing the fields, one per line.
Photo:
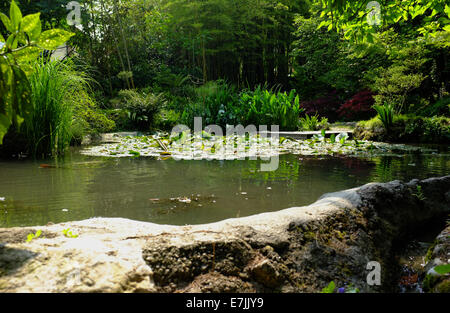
x=2 y=198
x=1 y=45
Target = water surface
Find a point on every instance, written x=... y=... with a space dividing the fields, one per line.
x=80 y=187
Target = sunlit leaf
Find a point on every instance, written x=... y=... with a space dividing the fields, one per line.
x=31 y=24
x=7 y=22
x=52 y=39
x=27 y=54
x=15 y=15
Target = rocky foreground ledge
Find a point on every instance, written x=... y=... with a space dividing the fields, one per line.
x=299 y=249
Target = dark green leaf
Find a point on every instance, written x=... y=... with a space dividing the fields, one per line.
x=442 y=269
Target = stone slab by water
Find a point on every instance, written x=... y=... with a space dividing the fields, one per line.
x=293 y=250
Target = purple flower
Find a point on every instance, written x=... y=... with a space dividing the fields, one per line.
x=341 y=290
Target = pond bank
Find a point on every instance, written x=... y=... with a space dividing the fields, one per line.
x=293 y=250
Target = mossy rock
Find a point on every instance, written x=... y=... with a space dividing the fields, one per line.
x=443 y=287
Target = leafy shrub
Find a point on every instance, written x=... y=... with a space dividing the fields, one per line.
x=420 y=129
x=359 y=107
x=167 y=119
x=313 y=123
x=216 y=103
x=88 y=119
x=262 y=107
x=440 y=107
x=120 y=117
x=327 y=105
x=406 y=128
x=24 y=44
x=399 y=82
x=394 y=85
x=142 y=107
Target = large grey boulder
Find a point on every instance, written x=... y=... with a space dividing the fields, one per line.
x=299 y=249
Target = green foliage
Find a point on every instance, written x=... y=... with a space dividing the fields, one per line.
x=57 y=88
x=167 y=119
x=323 y=61
x=333 y=138
x=263 y=107
x=68 y=233
x=419 y=193
x=216 y=103
x=429 y=18
x=440 y=107
x=313 y=123
x=32 y=236
x=385 y=114
x=219 y=103
x=23 y=45
x=433 y=129
x=330 y=288
x=48 y=127
x=394 y=84
x=407 y=128
x=120 y=117
x=88 y=118
x=142 y=107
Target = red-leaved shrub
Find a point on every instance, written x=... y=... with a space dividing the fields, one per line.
x=359 y=107
x=326 y=106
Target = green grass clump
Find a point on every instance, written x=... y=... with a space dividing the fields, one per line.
x=372 y=123
x=55 y=87
x=385 y=114
x=313 y=123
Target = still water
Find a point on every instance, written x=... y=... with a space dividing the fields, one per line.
x=173 y=192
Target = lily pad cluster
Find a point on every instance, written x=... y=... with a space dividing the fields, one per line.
x=203 y=145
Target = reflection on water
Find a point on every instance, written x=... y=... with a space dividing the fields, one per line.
x=186 y=192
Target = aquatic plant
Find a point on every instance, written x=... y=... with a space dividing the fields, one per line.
x=333 y=138
x=385 y=114
x=187 y=146
x=313 y=122
x=265 y=107
x=216 y=102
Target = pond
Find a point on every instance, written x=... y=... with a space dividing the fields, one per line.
x=78 y=186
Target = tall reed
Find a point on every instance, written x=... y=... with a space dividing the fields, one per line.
x=55 y=86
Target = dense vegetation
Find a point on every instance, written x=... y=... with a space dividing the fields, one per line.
x=151 y=64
